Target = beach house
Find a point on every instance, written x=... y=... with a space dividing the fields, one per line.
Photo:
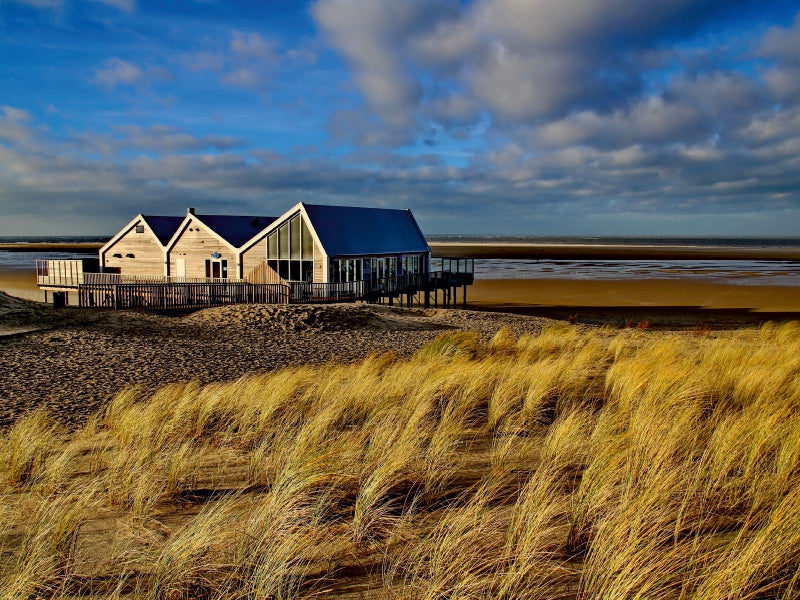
x=309 y=242
x=311 y=253
x=194 y=246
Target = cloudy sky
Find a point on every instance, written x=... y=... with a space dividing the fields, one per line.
x=637 y=117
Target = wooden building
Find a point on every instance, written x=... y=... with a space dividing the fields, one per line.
x=190 y=247
x=332 y=244
x=140 y=248
x=310 y=254
x=309 y=243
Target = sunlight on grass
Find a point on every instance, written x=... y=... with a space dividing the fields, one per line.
x=577 y=463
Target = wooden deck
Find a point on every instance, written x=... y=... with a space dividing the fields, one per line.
x=179 y=296
x=113 y=291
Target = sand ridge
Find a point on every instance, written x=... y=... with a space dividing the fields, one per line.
x=73 y=361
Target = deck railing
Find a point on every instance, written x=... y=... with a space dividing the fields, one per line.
x=117 y=278
x=179 y=296
x=59 y=273
x=112 y=290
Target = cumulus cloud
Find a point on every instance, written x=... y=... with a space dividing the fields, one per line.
x=371 y=36
x=116 y=71
x=40 y=3
x=249 y=60
x=252 y=44
x=523 y=61
x=123 y=5
x=555 y=112
x=783 y=43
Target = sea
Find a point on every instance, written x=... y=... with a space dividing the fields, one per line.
x=740 y=272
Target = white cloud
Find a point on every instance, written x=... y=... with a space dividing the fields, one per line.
x=371 y=37
x=123 y=5
x=244 y=77
x=41 y=3
x=116 y=71
x=783 y=42
x=253 y=45
x=15 y=114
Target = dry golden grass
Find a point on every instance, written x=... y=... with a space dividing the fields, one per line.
x=571 y=464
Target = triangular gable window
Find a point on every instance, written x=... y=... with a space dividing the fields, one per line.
x=290 y=250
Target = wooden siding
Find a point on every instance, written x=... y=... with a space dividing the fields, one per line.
x=262 y=273
x=148 y=254
x=253 y=257
x=320 y=276
x=196 y=244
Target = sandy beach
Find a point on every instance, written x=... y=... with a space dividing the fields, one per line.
x=74 y=360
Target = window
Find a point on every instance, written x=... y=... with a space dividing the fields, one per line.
x=140 y=229
x=294 y=226
x=308 y=241
x=272 y=246
x=283 y=239
x=293 y=244
x=344 y=270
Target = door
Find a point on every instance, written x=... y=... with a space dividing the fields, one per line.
x=180 y=267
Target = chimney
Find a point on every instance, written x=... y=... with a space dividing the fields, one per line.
x=189 y=211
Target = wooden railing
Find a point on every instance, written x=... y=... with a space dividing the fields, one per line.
x=105 y=290
x=180 y=296
x=59 y=273
x=117 y=278
x=315 y=293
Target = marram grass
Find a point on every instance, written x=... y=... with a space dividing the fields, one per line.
x=570 y=464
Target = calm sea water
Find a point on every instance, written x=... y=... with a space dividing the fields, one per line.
x=22 y=260
x=743 y=272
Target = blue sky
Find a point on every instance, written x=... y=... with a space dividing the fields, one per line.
x=665 y=117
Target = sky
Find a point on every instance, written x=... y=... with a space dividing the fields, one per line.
x=567 y=117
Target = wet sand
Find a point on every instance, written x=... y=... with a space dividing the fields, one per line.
x=77 y=247
x=659 y=304
x=527 y=251
x=20 y=283
x=665 y=293
x=606 y=251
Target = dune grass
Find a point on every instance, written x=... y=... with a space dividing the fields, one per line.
x=570 y=464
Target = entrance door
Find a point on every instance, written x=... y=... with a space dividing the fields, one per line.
x=180 y=267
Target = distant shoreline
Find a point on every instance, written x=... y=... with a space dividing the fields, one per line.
x=75 y=247
x=551 y=251
x=523 y=251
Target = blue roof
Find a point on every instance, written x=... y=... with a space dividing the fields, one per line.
x=163 y=227
x=352 y=230
x=236 y=229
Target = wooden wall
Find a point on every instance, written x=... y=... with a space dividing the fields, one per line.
x=147 y=251
x=320 y=276
x=254 y=256
x=196 y=244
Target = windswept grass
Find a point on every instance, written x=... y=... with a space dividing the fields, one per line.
x=570 y=464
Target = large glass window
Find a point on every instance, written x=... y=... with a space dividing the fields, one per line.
x=294 y=226
x=283 y=239
x=292 y=242
x=346 y=269
x=308 y=241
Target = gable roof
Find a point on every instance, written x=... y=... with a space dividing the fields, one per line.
x=235 y=229
x=351 y=230
x=163 y=227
